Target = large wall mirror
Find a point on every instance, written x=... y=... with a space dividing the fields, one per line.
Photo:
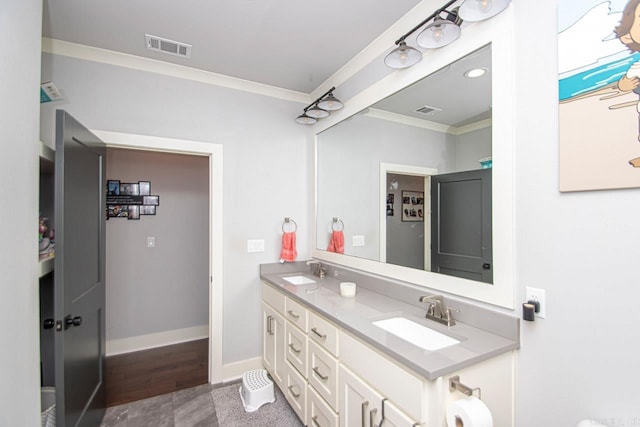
x=407 y=180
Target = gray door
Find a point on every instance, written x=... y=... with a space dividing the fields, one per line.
x=79 y=274
x=461 y=243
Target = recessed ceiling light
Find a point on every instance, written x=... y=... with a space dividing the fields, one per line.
x=475 y=72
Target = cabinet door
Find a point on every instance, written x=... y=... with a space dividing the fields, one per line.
x=359 y=403
x=273 y=343
x=394 y=417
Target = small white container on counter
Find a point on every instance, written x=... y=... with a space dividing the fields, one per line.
x=348 y=289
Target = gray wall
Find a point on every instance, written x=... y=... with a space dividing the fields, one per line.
x=159 y=289
x=405 y=240
x=471 y=147
x=350 y=156
x=267 y=159
x=20 y=29
x=581 y=247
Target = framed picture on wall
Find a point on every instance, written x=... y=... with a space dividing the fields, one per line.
x=412 y=206
x=151 y=200
x=145 y=187
x=147 y=210
x=390 y=199
x=134 y=212
x=113 y=187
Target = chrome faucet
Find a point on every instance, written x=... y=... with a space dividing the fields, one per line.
x=437 y=310
x=317 y=269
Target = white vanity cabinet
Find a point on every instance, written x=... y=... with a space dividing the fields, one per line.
x=362 y=406
x=273 y=349
x=333 y=378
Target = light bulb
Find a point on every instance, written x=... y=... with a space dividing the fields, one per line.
x=437 y=33
x=484 y=5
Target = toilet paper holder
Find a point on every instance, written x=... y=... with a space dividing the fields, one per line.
x=456 y=385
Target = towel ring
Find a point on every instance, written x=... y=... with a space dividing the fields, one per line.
x=288 y=220
x=337 y=220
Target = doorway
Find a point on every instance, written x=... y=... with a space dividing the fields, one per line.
x=411 y=175
x=214 y=154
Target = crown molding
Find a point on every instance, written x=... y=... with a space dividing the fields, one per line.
x=94 y=54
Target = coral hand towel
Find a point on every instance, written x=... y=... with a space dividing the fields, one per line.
x=336 y=244
x=289 y=252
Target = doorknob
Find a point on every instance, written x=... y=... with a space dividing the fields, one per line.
x=48 y=323
x=486 y=266
x=72 y=321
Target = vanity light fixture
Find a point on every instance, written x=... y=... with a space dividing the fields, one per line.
x=443 y=30
x=479 y=10
x=440 y=32
x=405 y=56
x=320 y=108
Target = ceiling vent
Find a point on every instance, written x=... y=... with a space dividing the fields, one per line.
x=427 y=110
x=170 y=47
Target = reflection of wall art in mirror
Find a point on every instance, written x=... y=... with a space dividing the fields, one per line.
x=390 y=199
x=412 y=206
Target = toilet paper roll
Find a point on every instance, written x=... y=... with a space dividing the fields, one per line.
x=469 y=412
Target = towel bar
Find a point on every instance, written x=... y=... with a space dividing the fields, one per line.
x=288 y=220
x=337 y=220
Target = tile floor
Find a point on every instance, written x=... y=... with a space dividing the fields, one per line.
x=192 y=407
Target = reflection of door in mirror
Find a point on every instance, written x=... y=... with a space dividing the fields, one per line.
x=461 y=225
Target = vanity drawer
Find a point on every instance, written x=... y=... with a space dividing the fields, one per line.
x=323 y=333
x=296 y=314
x=296 y=351
x=296 y=392
x=319 y=414
x=323 y=374
x=272 y=297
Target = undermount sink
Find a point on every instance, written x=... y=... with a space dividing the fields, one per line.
x=415 y=333
x=299 y=280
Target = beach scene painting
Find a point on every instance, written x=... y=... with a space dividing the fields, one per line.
x=599 y=94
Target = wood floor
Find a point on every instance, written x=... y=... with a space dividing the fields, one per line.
x=148 y=373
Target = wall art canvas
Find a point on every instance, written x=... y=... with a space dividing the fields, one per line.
x=599 y=94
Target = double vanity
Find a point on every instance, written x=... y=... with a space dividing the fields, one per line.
x=352 y=361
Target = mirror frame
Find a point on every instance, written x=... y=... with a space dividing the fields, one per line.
x=497 y=31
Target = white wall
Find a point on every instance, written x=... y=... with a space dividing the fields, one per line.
x=582 y=360
x=267 y=157
x=165 y=288
x=20 y=30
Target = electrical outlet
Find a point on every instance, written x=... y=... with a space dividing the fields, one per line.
x=358 y=241
x=537 y=294
x=151 y=242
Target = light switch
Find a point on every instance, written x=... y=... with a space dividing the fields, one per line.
x=151 y=242
x=255 y=245
x=358 y=241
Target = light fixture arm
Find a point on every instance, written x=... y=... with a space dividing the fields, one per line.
x=319 y=99
x=429 y=18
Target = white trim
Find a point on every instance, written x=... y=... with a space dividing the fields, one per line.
x=425 y=124
x=214 y=151
x=233 y=371
x=498 y=31
x=89 y=53
x=158 y=339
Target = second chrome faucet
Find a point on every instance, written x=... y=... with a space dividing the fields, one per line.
x=437 y=311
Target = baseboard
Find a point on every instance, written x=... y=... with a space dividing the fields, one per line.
x=159 y=339
x=233 y=371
